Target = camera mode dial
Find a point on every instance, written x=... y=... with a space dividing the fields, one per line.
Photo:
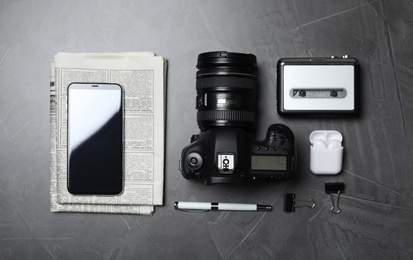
x=194 y=161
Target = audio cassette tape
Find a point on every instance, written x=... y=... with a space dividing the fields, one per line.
x=318 y=86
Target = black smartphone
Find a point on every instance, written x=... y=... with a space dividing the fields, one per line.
x=95 y=138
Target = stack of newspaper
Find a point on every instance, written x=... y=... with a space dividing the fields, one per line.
x=142 y=76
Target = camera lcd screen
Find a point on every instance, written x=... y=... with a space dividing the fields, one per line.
x=269 y=162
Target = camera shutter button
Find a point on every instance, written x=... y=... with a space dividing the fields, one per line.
x=194 y=138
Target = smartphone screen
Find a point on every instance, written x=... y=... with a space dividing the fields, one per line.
x=95 y=139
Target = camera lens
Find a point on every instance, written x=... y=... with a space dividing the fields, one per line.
x=226 y=85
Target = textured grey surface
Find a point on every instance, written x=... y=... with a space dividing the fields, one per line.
x=377 y=213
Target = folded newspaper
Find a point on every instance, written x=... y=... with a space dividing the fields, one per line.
x=142 y=76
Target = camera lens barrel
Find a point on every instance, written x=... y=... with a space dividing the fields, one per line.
x=226 y=85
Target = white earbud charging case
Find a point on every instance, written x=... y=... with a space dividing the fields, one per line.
x=326 y=161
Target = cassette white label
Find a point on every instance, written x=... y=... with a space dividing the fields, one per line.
x=318 y=87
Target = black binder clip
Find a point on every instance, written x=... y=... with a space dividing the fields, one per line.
x=334 y=187
x=290 y=205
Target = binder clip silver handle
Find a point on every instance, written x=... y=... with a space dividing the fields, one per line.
x=290 y=203
x=335 y=208
x=334 y=187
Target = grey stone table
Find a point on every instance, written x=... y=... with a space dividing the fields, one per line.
x=376 y=221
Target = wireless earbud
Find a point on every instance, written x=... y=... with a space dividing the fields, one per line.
x=318 y=143
x=334 y=144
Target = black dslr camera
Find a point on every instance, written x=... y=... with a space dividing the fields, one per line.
x=225 y=151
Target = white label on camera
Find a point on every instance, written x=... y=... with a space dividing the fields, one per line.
x=225 y=162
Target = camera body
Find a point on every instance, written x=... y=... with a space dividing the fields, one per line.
x=230 y=155
x=224 y=151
